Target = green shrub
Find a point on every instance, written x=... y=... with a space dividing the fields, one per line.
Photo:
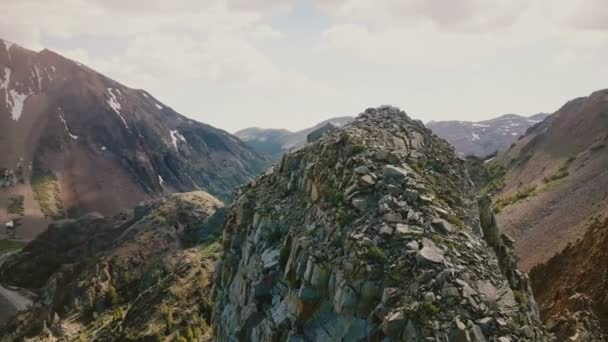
x=356 y=149
x=332 y=196
x=519 y=196
x=428 y=311
x=112 y=297
x=377 y=254
x=562 y=172
x=10 y=245
x=46 y=192
x=15 y=205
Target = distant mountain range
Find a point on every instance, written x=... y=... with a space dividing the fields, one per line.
x=74 y=141
x=468 y=138
x=483 y=138
x=275 y=142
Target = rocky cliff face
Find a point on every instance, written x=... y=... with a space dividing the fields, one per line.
x=141 y=275
x=73 y=141
x=371 y=232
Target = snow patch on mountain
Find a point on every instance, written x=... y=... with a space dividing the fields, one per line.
x=7 y=46
x=65 y=124
x=115 y=105
x=5 y=82
x=175 y=137
x=159 y=106
x=18 y=101
x=475 y=136
x=38 y=78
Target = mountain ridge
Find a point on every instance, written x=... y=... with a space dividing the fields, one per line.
x=486 y=137
x=73 y=138
x=371 y=232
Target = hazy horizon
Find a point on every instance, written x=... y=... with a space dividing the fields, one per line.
x=290 y=64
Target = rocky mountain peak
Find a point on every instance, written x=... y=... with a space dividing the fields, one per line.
x=370 y=232
x=78 y=141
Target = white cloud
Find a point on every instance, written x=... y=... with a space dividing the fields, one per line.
x=455 y=32
x=231 y=64
x=457 y=15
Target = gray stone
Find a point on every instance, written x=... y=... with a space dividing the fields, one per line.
x=360 y=203
x=430 y=252
x=393 y=217
x=386 y=156
x=397 y=173
x=427 y=199
x=404 y=230
x=441 y=226
x=412 y=245
x=450 y=291
x=362 y=170
x=486 y=324
x=270 y=257
x=476 y=334
x=386 y=230
x=367 y=181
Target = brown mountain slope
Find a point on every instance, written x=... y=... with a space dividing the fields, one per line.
x=130 y=277
x=554 y=179
x=74 y=141
x=577 y=278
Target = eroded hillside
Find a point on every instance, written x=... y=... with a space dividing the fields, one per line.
x=137 y=276
x=554 y=179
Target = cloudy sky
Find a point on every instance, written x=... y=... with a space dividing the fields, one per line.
x=292 y=63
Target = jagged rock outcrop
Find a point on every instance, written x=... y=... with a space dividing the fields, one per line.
x=320 y=132
x=503 y=247
x=365 y=234
x=143 y=275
